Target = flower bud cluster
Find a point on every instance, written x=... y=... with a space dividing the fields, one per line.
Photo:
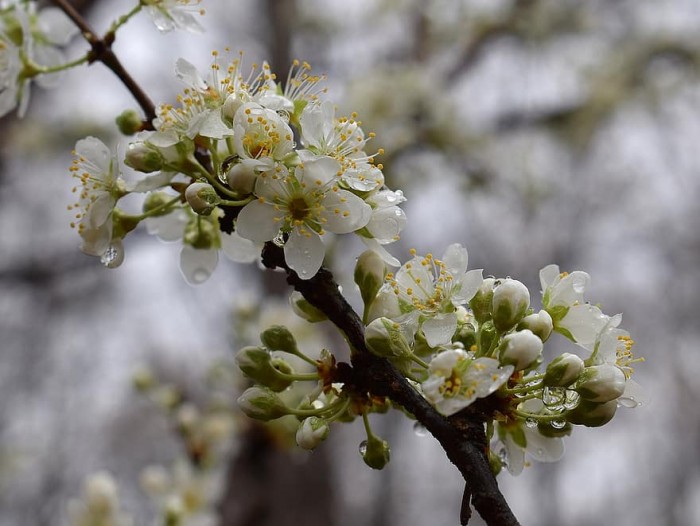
x=465 y=338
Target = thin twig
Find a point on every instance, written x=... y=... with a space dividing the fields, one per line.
x=102 y=52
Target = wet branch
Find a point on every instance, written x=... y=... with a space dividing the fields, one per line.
x=462 y=436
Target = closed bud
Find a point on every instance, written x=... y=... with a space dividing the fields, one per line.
x=601 y=383
x=241 y=177
x=304 y=309
x=143 y=158
x=370 y=272
x=482 y=301
x=129 y=122
x=520 y=349
x=261 y=404
x=311 y=432
x=258 y=365
x=384 y=338
x=592 y=414
x=375 y=452
x=511 y=300
x=202 y=198
x=563 y=370
x=539 y=323
x=278 y=338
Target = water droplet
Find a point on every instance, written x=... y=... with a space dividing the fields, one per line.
x=391 y=198
x=628 y=402
x=306 y=252
x=278 y=239
x=114 y=255
x=363 y=448
x=558 y=424
x=540 y=451
x=572 y=399
x=420 y=430
x=200 y=275
x=502 y=455
x=531 y=423
x=553 y=396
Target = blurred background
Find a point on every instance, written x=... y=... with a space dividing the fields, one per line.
x=531 y=131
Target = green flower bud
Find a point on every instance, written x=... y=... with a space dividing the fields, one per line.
x=563 y=370
x=520 y=349
x=202 y=198
x=375 y=452
x=385 y=338
x=278 y=338
x=482 y=301
x=304 y=309
x=261 y=404
x=510 y=302
x=143 y=158
x=601 y=383
x=258 y=365
x=539 y=323
x=129 y=122
x=370 y=272
x=592 y=414
x=156 y=200
x=311 y=432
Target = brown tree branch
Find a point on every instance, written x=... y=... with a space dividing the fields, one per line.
x=462 y=436
x=101 y=51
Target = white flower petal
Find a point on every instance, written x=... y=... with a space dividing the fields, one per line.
x=304 y=253
x=470 y=283
x=344 y=212
x=239 y=249
x=258 y=221
x=197 y=265
x=440 y=329
x=456 y=259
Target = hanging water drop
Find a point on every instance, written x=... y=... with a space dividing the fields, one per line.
x=278 y=239
x=502 y=455
x=363 y=448
x=420 y=430
x=558 y=424
x=572 y=399
x=628 y=401
x=531 y=423
x=114 y=255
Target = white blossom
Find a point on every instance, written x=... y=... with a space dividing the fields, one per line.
x=303 y=204
x=170 y=14
x=456 y=379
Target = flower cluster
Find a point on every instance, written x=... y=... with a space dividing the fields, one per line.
x=225 y=172
x=463 y=338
